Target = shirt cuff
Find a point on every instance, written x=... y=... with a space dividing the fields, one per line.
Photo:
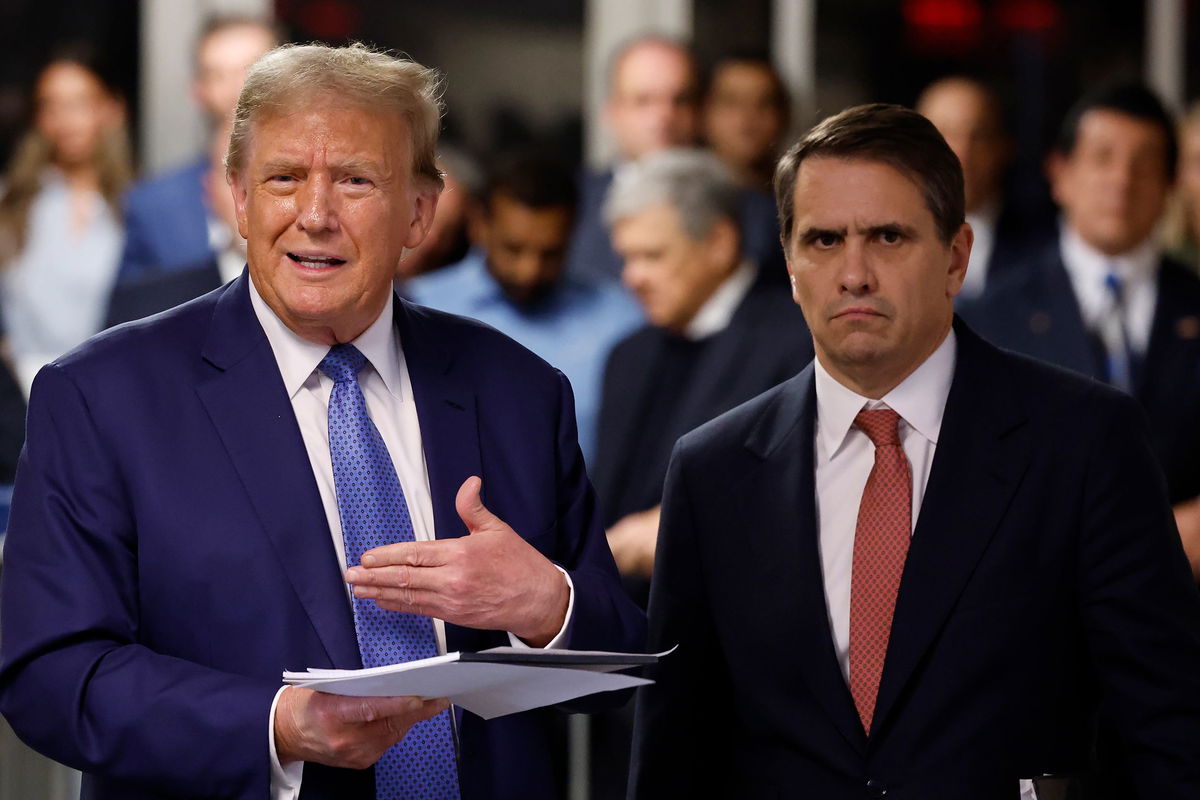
x=285 y=780
x=563 y=633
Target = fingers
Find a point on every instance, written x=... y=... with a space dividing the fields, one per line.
x=470 y=506
x=415 y=554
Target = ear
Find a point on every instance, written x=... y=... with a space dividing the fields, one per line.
x=1055 y=167
x=477 y=222
x=723 y=242
x=960 y=255
x=425 y=199
x=237 y=185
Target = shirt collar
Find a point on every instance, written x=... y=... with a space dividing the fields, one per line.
x=920 y=399
x=717 y=311
x=298 y=358
x=1085 y=263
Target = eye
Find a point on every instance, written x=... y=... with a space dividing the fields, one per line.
x=357 y=180
x=890 y=237
x=824 y=240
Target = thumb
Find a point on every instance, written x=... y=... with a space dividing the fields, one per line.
x=470 y=507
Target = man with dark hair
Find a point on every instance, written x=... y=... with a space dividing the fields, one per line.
x=970 y=116
x=1102 y=298
x=745 y=114
x=918 y=567
x=513 y=280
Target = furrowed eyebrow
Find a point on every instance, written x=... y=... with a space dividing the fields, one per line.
x=906 y=231
x=808 y=234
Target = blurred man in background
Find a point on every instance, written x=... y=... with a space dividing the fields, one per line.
x=170 y=224
x=653 y=88
x=745 y=113
x=969 y=115
x=1102 y=299
x=713 y=339
x=513 y=280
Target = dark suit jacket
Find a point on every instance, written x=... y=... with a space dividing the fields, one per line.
x=1035 y=312
x=169 y=555
x=158 y=291
x=1044 y=572
x=765 y=343
x=166 y=223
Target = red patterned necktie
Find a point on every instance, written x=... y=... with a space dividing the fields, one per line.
x=880 y=546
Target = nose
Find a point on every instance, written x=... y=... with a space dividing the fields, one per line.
x=855 y=275
x=316 y=205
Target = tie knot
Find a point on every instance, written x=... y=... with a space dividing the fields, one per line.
x=882 y=426
x=342 y=363
x=1113 y=282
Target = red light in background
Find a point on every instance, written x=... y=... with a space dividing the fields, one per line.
x=1028 y=16
x=943 y=25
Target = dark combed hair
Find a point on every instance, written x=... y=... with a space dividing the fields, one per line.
x=889 y=134
x=531 y=178
x=753 y=57
x=1131 y=99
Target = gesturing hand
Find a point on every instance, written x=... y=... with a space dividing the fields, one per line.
x=344 y=731
x=491 y=579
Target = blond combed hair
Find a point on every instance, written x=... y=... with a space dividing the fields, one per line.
x=284 y=79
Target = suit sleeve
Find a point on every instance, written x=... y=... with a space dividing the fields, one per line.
x=604 y=617
x=1141 y=612
x=678 y=724
x=75 y=683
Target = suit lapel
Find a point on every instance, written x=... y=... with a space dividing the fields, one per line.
x=250 y=409
x=446 y=408
x=1055 y=321
x=786 y=560
x=1174 y=332
x=982 y=454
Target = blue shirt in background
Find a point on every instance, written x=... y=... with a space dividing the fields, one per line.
x=573 y=328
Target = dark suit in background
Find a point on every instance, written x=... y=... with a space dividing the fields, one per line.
x=1035 y=312
x=765 y=343
x=166 y=223
x=1044 y=576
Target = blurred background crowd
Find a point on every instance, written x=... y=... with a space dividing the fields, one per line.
x=609 y=205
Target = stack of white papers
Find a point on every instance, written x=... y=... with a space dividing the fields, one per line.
x=491 y=683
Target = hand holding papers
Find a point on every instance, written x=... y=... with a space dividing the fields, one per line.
x=492 y=683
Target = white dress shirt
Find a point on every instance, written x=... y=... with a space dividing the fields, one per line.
x=844 y=458
x=1088 y=268
x=717 y=311
x=388 y=392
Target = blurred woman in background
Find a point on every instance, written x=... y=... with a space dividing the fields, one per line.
x=60 y=233
x=1182 y=229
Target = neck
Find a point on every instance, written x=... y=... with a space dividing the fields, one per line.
x=80 y=177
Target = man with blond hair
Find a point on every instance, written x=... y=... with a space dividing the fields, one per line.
x=288 y=473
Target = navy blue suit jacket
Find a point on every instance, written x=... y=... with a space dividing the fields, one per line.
x=169 y=556
x=1034 y=311
x=1045 y=577
x=166 y=223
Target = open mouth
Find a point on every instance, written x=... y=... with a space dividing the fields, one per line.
x=316 y=262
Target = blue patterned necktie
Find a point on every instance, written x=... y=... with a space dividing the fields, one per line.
x=1119 y=363
x=373 y=511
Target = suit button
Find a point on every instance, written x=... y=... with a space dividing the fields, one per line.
x=876 y=789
